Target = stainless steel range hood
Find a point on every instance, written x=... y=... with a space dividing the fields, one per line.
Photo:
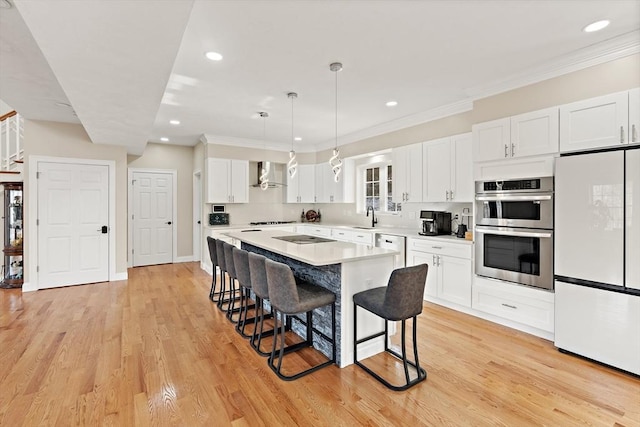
x=274 y=178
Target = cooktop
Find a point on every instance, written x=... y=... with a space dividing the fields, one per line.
x=270 y=222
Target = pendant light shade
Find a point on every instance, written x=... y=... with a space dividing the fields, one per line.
x=335 y=161
x=264 y=174
x=292 y=164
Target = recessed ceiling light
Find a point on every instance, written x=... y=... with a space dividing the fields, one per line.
x=164 y=139
x=214 y=56
x=391 y=103
x=596 y=26
x=174 y=122
x=297 y=138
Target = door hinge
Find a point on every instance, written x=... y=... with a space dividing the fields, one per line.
x=133 y=181
x=133 y=251
x=37 y=269
x=132 y=216
x=37 y=175
x=37 y=222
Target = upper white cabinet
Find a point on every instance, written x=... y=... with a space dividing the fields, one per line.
x=447 y=169
x=301 y=188
x=604 y=121
x=528 y=134
x=327 y=189
x=407 y=173
x=227 y=181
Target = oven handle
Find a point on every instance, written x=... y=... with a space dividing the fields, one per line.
x=512 y=232
x=511 y=197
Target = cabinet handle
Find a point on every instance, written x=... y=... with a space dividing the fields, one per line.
x=446 y=195
x=634 y=134
x=621 y=134
x=451 y=195
x=506 y=147
x=436 y=247
x=433 y=260
x=513 y=150
x=510 y=306
x=438 y=257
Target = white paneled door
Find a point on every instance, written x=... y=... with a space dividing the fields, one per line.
x=152 y=218
x=73 y=224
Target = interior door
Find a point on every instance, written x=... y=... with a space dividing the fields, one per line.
x=152 y=218
x=73 y=218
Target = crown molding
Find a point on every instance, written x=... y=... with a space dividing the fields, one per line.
x=401 y=123
x=600 y=53
x=253 y=143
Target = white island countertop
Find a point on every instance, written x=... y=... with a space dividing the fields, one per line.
x=324 y=253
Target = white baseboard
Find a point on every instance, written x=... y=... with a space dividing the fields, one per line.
x=27 y=287
x=180 y=259
x=120 y=276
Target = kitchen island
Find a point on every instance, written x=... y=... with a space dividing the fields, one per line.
x=342 y=267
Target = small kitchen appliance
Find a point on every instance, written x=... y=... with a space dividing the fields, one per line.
x=435 y=223
x=218 y=218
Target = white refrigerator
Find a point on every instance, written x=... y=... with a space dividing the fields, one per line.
x=597 y=257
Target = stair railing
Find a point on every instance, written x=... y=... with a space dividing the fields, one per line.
x=11 y=141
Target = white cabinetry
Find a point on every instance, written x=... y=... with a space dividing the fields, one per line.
x=522 y=304
x=449 y=275
x=327 y=189
x=605 y=121
x=301 y=188
x=448 y=169
x=227 y=181
x=352 y=236
x=314 y=230
x=407 y=173
x=529 y=134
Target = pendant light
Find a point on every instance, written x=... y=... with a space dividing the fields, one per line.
x=292 y=164
x=335 y=161
x=264 y=175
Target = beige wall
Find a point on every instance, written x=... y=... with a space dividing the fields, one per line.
x=71 y=141
x=610 y=77
x=180 y=159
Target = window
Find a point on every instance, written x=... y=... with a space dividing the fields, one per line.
x=378 y=188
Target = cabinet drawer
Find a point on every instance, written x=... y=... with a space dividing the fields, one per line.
x=528 y=306
x=439 y=247
x=362 y=238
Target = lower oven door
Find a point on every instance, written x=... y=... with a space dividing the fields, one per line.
x=520 y=255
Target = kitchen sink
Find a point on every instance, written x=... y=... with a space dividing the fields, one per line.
x=303 y=239
x=365 y=228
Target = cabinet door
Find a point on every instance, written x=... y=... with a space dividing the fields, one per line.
x=218 y=175
x=634 y=116
x=306 y=183
x=492 y=140
x=455 y=280
x=321 y=196
x=534 y=133
x=437 y=170
x=400 y=172
x=415 y=258
x=462 y=168
x=239 y=181
x=594 y=123
x=292 y=187
x=414 y=176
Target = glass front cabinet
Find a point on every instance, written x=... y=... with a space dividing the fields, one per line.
x=12 y=269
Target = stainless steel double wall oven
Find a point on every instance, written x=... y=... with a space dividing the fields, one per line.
x=514 y=231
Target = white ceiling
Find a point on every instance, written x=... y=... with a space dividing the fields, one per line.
x=128 y=67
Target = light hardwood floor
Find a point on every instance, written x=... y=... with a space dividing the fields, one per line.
x=154 y=350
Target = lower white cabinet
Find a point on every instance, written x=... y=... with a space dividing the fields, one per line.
x=352 y=236
x=522 y=304
x=449 y=275
x=314 y=230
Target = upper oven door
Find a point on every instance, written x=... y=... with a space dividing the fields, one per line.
x=531 y=210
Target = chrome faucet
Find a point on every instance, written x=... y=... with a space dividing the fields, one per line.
x=374 y=221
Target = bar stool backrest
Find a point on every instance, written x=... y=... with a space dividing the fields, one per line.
x=228 y=259
x=258 y=275
x=241 y=265
x=282 y=287
x=405 y=291
x=220 y=255
x=213 y=254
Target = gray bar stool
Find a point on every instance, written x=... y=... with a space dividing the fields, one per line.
x=222 y=265
x=231 y=272
x=288 y=299
x=213 y=254
x=261 y=291
x=243 y=274
x=401 y=299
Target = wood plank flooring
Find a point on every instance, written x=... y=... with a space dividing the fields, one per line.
x=154 y=351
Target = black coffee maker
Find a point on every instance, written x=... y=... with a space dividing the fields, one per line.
x=435 y=223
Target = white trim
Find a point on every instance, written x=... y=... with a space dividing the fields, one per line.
x=253 y=143
x=33 y=211
x=187 y=258
x=120 y=276
x=27 y=287
x=174 y=228
x=197 y=214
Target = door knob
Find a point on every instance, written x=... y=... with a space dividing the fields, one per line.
x=104 y=229
x=169 y=222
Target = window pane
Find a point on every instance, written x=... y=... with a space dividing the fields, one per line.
x=369 y=190
x=369 y=175
x=376 y=189
x=376 y=174
x=389 y=188
x=389 y=173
